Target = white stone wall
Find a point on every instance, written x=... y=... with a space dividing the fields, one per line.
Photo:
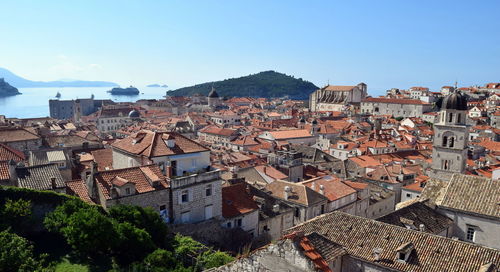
x=284 y=255
x=121 y=160
x=249 y=222
x=487 y=231
x=197 y=201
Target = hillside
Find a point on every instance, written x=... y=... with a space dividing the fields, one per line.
x=6 y=89
x=263 y=84
x=20 y=82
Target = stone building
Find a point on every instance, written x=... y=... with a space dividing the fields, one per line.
x=20 y=139
x=449 y=153
x=109 y=120
x=196 y=198
x=74 y=109
x=395 y=107
x=239 y=209
x=472 y=203
x=336 y=98
x=143 y=186
x=162 y=148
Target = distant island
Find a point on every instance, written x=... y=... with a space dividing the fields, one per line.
x=264 y=84
x=124 y=91
x=157 y=86
x=6 y=89
x=20 y=82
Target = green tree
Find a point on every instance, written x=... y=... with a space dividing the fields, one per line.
x=16 y=214
x=210 y=259
x=86 y=229
x=132 y=244
x=16 y=254
x=143 y=218
x=161 y=260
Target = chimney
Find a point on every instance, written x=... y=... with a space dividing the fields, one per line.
x=376 y=254
x=12 y=171
x=322 y=189
x=168 y=170
x=248 y=190
x=287 y=192
x=53 y=183
x=313 y=185
x=421 y=227
x=276 y=208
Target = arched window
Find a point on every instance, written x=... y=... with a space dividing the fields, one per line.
x=445 y=164
x=445 y=140
x=459 y=118
x=450 y=117
x=452 y=141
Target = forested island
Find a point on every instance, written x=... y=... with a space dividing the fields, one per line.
x=264 y=84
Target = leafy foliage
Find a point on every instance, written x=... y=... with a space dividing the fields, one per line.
x=133 y=244
x=142 y=218
x=263 y=84
x=215 y=259
x=16 y=214
x=16 y=254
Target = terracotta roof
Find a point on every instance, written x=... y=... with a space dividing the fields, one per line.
x=141 y=177
x=338 y=88
x=16 y=135
x=359 y=236
x=8 y=153
x=245 y=141
x=290 y=134
x=334 y=189
x=78 y=188
x=270 y=171
x=4 y=170
x=395 y=101
x=218 y=131
x=311 y=251
x=152 y=144
x=236 y=201
x=103 y=158
x=299 y=193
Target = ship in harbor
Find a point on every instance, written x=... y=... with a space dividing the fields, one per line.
x=124 y=91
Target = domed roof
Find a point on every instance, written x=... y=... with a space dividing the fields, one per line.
x=454 y=101
x=213 y=94
x=134 y=114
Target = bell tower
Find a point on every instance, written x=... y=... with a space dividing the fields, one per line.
x=449 y=152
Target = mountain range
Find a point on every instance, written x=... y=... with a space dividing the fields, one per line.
x=20 y=82
x=264 y=84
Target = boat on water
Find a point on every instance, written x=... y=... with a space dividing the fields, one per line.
x=124 y=91
x=58 y=95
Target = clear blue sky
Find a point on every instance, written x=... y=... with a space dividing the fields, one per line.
x=385 y=44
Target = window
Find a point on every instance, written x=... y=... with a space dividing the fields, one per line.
x=452 y=141
x=322 y=209
x=208 y=190
x=471 y=233
x=127 y=191
x=445 y=140
x=450 y=117
x=238 y=222
x=185 y=196
x=402 y=256
x=408 y=195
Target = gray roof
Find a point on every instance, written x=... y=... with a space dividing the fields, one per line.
x=471 y=194
x=46 y=157
x=39 y=177
x=326 y=248
x=360 y=236
x=414 y=215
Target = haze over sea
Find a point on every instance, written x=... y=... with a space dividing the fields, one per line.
x=34 y=102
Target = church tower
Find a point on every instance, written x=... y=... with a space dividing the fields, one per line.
x=213 y=98
x=449 y=152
